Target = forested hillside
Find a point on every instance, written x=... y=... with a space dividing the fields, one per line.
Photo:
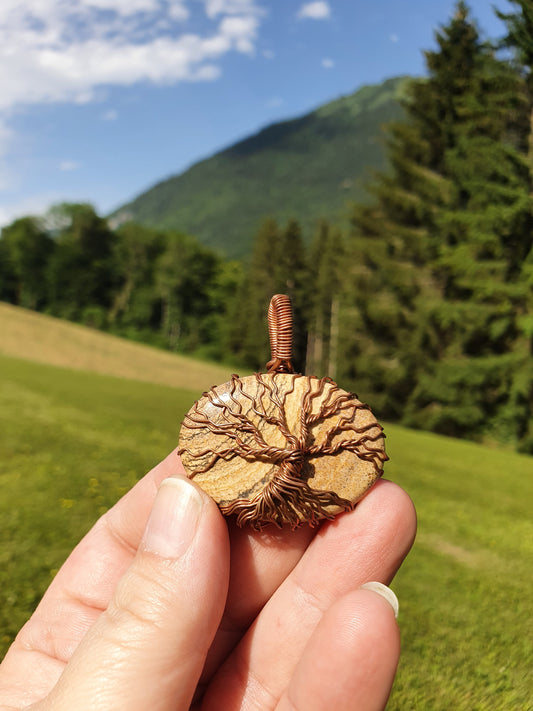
x=304 y=169
x=423 y=305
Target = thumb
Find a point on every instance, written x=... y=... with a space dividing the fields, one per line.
x=147 y=649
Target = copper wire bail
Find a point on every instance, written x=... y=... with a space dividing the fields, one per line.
x=280 y=330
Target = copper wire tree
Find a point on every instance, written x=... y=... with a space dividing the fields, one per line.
x=261 y=442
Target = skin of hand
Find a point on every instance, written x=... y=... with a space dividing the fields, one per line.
x=162 y=608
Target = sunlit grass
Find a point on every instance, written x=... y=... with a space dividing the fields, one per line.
x=465 y=590
x=71 y=443
x=27 y=334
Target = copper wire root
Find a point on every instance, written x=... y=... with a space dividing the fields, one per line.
x=280 y=330
x=286 y=500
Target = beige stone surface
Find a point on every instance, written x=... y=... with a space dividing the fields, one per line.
x=235 y=439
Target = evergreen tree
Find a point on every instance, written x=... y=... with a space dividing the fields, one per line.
x=277 y=265
x=437 y=291
x=250 y=336
x=484 y=234
x=326 y=264
x=519 y=40
x=395 y=239
x=291 y=278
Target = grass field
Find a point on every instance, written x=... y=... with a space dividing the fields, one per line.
x=71 y=442
x=29 y=335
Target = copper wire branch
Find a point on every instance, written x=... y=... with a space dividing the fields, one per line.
x=280 y=330
x=243 y=420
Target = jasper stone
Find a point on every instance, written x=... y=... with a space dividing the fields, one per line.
x=280 y=448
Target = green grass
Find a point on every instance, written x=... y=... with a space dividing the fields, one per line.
x=38 y=337
x=72 y=442
x=465 y=590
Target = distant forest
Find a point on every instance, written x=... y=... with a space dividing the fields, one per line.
x=424 y=307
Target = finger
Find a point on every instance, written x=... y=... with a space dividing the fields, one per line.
x=260 y=562
x=351 y=659
x=80 y=592
x=366 y=544
x=146 y=651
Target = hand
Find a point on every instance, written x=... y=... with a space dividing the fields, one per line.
x=152 y=617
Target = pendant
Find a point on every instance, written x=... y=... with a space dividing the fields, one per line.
x=279 y=447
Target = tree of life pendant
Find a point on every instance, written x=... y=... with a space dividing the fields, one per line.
x=279 y=447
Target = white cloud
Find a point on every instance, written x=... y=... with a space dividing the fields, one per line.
x=178 y=12
x=6 y=139
x=63 y=51
x=274 y=102
x=69 y=165
x=214 y=8
x=328 y=63
x=6 y=136
x=110 y=115
x=241 y=31
x=72 y=50
x=317 y=10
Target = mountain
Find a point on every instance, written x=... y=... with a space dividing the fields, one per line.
x=305 y=168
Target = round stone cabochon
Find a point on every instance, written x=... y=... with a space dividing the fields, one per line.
x=279 y=448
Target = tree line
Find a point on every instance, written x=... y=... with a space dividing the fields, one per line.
x=424 y=307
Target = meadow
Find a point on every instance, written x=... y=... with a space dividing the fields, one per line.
x=72 y=441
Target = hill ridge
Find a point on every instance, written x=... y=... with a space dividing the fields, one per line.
x=308 y=167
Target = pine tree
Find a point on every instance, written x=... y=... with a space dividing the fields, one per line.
x=277 y=265
x=250 y=336
x=437 y=290
x=483 y=233
x=291 y=278
x=519 y=40
x=395 y=239
x=326 y=264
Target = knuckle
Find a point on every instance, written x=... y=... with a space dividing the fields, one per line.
x=140 y=601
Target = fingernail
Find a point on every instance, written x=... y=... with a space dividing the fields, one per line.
x=174 y=518
x=385 y=593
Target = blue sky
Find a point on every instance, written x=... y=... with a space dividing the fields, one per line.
x=100 y=99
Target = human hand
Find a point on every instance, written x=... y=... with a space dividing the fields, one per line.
x=148 y=617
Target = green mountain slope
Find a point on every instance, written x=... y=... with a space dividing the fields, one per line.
x=305 y=168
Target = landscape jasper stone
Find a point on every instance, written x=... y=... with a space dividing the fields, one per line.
x=282 y=448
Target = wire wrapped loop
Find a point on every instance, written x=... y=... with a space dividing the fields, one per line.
x=280 y=330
